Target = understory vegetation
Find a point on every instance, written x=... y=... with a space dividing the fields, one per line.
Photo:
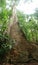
x=29 y=26
x=27 y=23
x=6 y=43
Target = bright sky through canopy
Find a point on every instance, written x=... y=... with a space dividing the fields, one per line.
x=28 y=7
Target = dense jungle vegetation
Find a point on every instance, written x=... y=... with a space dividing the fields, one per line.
x=27 y=23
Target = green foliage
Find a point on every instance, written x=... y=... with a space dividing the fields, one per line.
x=6 y=43
x=29 y=28
x=36 y=13
x=2 y=3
